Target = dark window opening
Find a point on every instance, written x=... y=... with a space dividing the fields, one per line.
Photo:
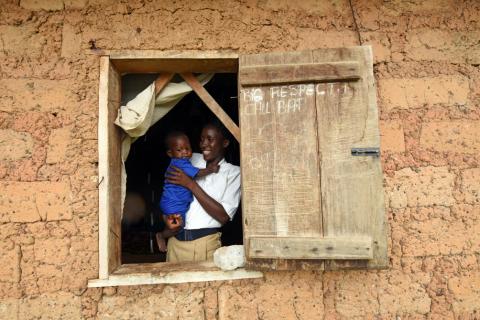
x=147 y=162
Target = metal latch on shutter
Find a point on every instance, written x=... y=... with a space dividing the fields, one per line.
x=366 y=152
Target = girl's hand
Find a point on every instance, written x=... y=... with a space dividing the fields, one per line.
x=177 y=176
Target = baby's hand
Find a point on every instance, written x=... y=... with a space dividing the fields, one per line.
x=173 y=221
x=213 y=167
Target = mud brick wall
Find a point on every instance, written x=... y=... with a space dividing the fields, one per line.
x=427 y=57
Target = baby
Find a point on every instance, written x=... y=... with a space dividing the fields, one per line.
x=176 y=199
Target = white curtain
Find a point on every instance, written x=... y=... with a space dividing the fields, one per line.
x=144 y=111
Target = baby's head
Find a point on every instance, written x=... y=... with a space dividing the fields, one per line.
x=178 y=145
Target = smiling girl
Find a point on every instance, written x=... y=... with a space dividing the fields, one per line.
x=215 y=202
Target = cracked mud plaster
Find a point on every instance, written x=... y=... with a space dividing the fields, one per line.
x=426 y=62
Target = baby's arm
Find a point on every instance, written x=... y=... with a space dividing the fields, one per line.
x=212 y=168
x=194 y=172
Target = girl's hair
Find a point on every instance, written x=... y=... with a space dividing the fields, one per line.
x=217 y=124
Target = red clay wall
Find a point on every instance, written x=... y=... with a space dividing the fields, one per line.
x=427 y=57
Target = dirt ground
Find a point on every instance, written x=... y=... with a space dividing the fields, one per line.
x=427 y=57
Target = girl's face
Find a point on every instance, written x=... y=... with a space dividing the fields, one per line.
x=180 y=148
x=213 y=144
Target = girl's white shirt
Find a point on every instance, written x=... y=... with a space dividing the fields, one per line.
x=223 y=186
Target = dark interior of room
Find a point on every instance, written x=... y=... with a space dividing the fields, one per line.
x=147 y=162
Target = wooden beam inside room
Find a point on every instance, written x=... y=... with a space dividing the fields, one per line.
x=162 y=81
x=212 y=104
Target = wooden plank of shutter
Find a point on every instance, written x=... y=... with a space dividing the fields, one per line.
x=310 y=248
x=300 y=73
x=279 y=156
x=352 y=192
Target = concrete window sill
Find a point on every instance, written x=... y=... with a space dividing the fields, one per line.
x=156 y=273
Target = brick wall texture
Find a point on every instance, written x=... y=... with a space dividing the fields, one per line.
x=427 y=56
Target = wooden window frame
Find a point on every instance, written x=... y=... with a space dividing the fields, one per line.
x=112 y=65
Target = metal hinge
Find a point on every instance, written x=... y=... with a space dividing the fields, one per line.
x=368 y=152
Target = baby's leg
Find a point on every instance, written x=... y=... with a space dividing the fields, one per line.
x=162 y=244
x=161 y=238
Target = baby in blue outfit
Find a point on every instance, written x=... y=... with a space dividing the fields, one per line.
x=176 y=199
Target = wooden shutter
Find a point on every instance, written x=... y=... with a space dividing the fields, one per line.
x=312 y=188
x=109 y=166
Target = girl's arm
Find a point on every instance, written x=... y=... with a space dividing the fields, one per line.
x=210 y=205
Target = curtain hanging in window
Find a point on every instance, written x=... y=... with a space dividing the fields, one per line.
x=143 y=111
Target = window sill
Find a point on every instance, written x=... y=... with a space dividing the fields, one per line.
x=157 y=273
